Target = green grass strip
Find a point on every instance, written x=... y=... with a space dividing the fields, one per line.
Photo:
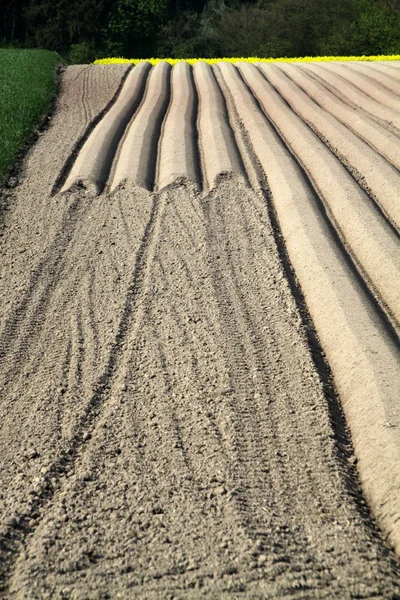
x=251 y=59
x=27 y=86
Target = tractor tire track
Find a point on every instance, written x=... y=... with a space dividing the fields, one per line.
x=48 y=487
x=192 y=434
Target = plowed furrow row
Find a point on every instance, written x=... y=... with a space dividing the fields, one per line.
x=377 y=136
x=219 y=151
x=374 y=174
x=377 y=73
x=137 y=156
x=388 y=68
x=199 y=337
x=369 y=239
x=94 y=161
x=68 y=138
x=290 y=189
x=372 y=89
x=177 y=151
x=344 y=89
x=333 y=179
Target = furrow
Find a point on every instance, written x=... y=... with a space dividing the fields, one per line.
x=253 y=167
x=390 y=68
x=377 y=74
x=177 y=152
x=220 y=152
x=84 y=98
x=93 y=163
x=369 y=169
x=136 y=158
x=377 y=136
x=395 y=64
x=363 y=82
x=346 y=89
x=363 y=357
x=369 y=238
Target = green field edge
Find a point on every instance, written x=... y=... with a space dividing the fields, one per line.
x=28 y=88
x=251 y=59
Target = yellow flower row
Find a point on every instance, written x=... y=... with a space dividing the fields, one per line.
x=252 y=59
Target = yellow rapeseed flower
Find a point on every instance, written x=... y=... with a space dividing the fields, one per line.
x=251 y=59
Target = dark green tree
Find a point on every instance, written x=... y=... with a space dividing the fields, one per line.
x=375 y=30
x=302 y=26
x=133 y=27
x=84 y=29
x=192 y=35
x=56 y=25
x=12 y=22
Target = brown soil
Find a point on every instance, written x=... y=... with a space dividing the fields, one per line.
x=168 y=424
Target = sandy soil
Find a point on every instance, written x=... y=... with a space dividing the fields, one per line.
x=187 y=248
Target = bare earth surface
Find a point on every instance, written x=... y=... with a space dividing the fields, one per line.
x=187 y=252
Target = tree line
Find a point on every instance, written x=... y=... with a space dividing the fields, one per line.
x=82 y=30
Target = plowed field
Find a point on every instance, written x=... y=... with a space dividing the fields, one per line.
x=200 y=309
